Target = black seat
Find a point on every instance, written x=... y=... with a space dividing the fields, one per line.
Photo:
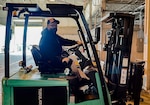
x=43 y=65
x=36 y=54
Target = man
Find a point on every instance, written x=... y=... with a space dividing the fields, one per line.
x=51 y=47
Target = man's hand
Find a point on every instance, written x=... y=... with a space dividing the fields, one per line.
x=79 y=42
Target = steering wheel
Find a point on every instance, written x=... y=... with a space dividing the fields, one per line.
x=75 y=48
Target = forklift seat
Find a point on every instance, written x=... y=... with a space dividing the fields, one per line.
x=36 y=54
x=43 y=65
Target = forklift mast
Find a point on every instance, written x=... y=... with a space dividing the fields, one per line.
x=118 y=49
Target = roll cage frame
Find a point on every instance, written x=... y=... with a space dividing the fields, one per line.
x=55 y=10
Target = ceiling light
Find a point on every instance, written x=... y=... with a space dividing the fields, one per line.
x=51 y=0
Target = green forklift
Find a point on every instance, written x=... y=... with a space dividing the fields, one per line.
x=52 y=88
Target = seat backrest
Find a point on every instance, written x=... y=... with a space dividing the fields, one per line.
x=36 y=54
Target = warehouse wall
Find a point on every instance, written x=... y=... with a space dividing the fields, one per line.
x=72 y=30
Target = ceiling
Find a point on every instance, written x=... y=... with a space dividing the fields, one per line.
x=130 y=6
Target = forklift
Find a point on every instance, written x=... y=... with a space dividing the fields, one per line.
x=50 y=88
x=118 y=51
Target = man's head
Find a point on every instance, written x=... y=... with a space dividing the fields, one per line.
x=52 y=23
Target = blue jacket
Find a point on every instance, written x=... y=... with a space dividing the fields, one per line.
x=51 y=44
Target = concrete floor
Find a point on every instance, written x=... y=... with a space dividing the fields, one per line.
x=145 y=95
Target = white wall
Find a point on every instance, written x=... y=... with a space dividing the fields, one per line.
x=33 y=36
x=2 y=37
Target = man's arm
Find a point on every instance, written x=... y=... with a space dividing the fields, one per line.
x=66 y=42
